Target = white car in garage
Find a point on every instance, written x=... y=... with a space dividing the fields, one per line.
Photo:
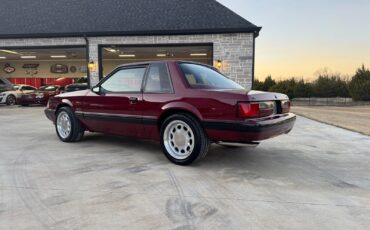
x=11 y=97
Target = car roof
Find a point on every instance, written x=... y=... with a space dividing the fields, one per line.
x=24 y=85
x=162 y=61
x=141 y=63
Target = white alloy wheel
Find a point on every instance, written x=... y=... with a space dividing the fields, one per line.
x=64 y=125
x=179 y=139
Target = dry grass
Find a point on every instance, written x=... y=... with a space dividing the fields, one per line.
x=356 y=118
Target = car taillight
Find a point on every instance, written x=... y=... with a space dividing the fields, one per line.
x=249 y=110
x=258 y=109
x=285 y=106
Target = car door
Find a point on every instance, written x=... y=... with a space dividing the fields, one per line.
x=25 y=90
x=116 y=107
x=157 y=92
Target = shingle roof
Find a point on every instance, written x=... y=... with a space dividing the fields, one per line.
x=46 y=18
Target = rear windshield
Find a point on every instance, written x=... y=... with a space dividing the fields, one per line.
x=202 y=77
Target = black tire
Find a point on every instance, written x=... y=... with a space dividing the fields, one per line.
x=80 y=135
x=11 y=100
x=201 y=142
x=77 y=132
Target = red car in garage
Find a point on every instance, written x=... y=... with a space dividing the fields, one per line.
x=184 y=105
x=41 y=96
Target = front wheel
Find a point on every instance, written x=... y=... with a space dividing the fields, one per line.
x=11 y=100
x=183 y=140
x=68 y=126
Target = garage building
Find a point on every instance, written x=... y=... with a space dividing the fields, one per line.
x=43 y=40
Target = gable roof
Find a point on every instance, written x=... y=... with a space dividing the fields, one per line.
x=56 y=18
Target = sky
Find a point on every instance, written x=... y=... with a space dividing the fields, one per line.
x=301 y=38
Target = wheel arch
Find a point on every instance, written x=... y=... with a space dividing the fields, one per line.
x=170 y=110
x=11 y=94
x=64 y=103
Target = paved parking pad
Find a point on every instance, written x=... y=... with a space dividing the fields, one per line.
x=317 y=177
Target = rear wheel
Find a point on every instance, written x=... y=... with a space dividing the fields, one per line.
x=183 y=140
x=11 y=100
x=67 y=126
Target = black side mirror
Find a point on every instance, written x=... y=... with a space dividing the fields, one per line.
x=96 y=89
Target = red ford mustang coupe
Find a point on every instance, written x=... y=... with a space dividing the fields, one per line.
x=184 y=105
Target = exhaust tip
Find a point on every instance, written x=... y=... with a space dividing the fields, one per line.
x=238 y=144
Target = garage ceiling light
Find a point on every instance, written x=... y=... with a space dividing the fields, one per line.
x=58 y=56
x=111 y=50
x=198 y=54
x=28 y=57
x=2 y=57
x=9 y=51
x=126 y=55
x=161 y=55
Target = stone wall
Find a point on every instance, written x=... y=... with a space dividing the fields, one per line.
x=235 y=50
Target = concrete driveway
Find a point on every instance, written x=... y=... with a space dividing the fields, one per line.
x=317 y=177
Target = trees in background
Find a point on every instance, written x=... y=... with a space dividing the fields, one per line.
x=302 y=89
x=268 y=83
x=286 y=87
x=326 y=85
x=265 y=85
x=330 y=86
x=258 y=85
x=359 y=86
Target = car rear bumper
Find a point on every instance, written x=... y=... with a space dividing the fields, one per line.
x=50 y=114
x=250 y=130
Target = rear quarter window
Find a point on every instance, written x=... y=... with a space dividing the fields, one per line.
x=158 y=79
x=203 y=77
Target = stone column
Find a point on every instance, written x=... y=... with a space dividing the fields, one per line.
x=94 y=56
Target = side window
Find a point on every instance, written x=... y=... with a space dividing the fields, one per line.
x=158 y=79
x=28 y=88
x=1 y=82
x=125 y=80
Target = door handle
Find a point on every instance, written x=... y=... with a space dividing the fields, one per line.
x=133 y=100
